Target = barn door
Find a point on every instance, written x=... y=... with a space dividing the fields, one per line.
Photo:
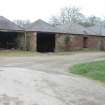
x=85 y=42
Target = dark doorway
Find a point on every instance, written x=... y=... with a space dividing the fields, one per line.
x=8 y=40
x=45 y=42
x=85 y=42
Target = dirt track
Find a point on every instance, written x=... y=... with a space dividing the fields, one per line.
x=44 y=80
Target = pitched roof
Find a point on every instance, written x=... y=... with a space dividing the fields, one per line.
x=40 y=26
x=98 y=29
x=6 y=24
x=70 y=28
x=74 y=28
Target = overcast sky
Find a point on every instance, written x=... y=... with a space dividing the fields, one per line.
x=35 y=9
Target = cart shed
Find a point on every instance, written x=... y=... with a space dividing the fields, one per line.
x=11 y=35
x=41 y=37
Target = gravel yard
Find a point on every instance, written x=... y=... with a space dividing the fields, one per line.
x=44 y=80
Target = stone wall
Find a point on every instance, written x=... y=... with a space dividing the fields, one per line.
x=75 y=42
x=20 y=40
x=60 y=43
x=31 y=41
x=92 y=42
x=63 y=42
x=102 y=43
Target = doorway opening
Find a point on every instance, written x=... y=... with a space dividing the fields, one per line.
x=45 y=42
x=85 y=42
x=8 y=40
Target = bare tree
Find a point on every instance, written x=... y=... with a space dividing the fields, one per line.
x=71 y=14
x=94 y=20
x=67 y=15
x=91 y=21
x=54 y=20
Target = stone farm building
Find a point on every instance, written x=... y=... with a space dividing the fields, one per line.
x=43 y=37
x=80 y=37
x=11 y=35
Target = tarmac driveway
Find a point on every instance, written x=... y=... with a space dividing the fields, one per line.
x=44 y=80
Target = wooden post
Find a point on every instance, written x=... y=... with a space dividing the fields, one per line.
x=25 y=40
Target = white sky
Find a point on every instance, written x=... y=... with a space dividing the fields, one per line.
x=43 y=9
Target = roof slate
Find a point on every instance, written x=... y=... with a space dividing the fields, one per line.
x=74 y=28
x=8 y=25
x=98 y=29
x=40 y=26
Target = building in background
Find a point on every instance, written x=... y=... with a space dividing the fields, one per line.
x=43 y=37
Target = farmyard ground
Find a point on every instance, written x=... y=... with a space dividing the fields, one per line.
x=44 y=80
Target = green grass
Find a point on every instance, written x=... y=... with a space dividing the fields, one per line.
x=93 y=70
x=17 y=53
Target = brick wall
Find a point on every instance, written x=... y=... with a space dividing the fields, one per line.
x=59 y=42
x=77 y=42
x=92 y=42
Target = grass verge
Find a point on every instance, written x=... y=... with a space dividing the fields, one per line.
x=93 y=70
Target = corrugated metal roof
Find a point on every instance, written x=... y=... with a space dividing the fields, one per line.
x=6 y=24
